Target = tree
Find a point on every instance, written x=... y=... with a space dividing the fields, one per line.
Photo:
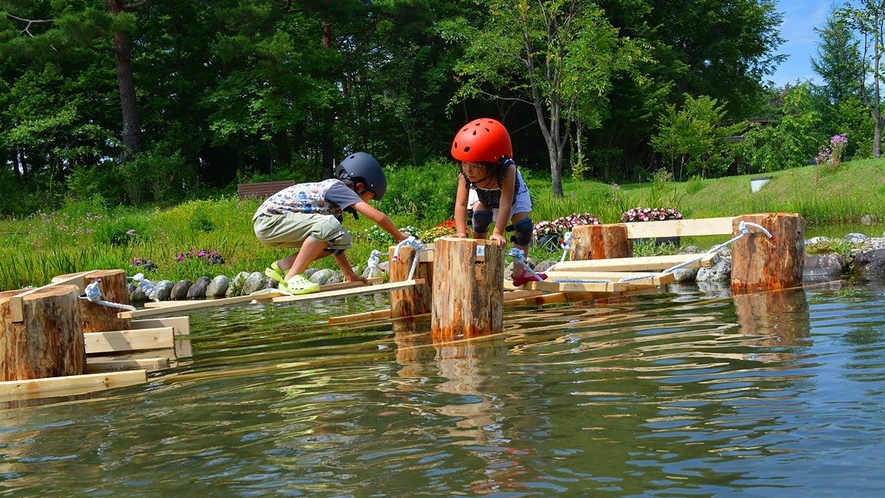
x=869 y=20
x=557 y=56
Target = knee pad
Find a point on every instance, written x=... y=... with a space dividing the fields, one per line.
x=524 y=229
x=482 y=220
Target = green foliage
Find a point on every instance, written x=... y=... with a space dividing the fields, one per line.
x=695 y=184
x=153 y=176
x=426 y=193
x=121 y=231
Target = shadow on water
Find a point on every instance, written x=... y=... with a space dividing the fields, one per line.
x=693 y=391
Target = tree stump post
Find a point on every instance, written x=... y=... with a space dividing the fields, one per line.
x=468 y=288
x=759 y=263
x=114 y=289
x=49 y=341
x=415 y=300
x=600 y=242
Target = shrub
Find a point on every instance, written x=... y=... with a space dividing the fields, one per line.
x=650 y=214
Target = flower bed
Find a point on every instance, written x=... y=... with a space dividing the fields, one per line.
x=650 y=214
x=563 y=224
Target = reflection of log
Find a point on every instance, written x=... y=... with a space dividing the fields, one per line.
x=776 y=318
x=600 y=242
x=48 y=342
x=759 y=263
x=99 y=318
x=468 y=288
x=415 y=300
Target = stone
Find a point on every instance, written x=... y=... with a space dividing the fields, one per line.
x=869 y=219
x=179 y=290
x=870 y=264
x=218 y=286
x=138 y=295
x=164 y=289
x=856 y=237
x=255 y=282
x=198 y=290
x=823 y=267
x=321 y=276
x=685 y=275
x=719 y=272
x=236 y=285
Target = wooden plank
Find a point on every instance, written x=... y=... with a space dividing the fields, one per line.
x=680 y=228
x=264 y=295
x=181 y=328
x=119 y=365
x=15 y=302
x=649 y=263
x=368 y=289
x=70 y=385
x=600 y=287
x=129 y=340
x=262 y=189
x=646 y=277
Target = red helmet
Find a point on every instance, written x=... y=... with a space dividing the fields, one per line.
x=482 y=140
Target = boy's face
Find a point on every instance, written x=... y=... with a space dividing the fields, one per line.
x=367 y=194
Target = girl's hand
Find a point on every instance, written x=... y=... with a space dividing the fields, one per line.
x=498 y=239
x=460 y=235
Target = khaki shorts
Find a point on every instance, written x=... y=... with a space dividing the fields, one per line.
x=290 y=230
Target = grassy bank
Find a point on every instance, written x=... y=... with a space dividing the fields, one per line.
x=86 y=235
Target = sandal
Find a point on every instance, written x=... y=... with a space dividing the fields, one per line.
x=275 y=273
x=523 y=278
x=299 y=285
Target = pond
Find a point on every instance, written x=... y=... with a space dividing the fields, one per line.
x=689 y=392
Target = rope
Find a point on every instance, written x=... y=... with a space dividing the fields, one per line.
x=566 y=244
x=415 y=244
x=93 y=295
x=518 y=256
x=150 y=290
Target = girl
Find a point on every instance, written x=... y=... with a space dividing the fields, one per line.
x=484 y=149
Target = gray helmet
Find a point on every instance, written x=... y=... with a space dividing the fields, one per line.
x=364 y=166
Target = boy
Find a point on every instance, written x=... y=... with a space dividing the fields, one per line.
x=308 y=216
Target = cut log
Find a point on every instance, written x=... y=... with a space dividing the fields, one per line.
x=114 y=289
x=759 y=263
x=411 y=301
x=48 y=342
x=468 y=288
x=600 y=242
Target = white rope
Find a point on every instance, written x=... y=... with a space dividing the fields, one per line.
x=415 y=244
x=566 y=244
x=150 y=290
x=518 y=256
x=93 y=295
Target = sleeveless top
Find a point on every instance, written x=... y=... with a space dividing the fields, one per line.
x=492 y=197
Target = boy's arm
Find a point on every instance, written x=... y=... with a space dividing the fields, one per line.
x=507 y=185
x=380 y=219
x=347 y=270
x=461 y=207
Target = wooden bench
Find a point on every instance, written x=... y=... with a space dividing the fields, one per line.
x=262 y=190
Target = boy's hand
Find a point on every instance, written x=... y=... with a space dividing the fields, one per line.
x=353 y=277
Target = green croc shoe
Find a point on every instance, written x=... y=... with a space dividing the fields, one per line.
x=275 y=273
x=299 y=285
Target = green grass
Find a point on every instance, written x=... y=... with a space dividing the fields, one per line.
x=84 y=236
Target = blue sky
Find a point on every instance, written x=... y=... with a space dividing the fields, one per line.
x=800 y=19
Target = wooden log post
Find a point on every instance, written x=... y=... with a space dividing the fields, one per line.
x=468 y=289
x=760 y=263
x=417 y=299
x=114 y=289
x=600 y=242
x=49 y=341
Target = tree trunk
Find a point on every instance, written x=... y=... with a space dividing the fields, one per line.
x=600 y=242
x=114 y=289
x=126 y=83
x=49 y=342
x=762 y=264
x=415 y=300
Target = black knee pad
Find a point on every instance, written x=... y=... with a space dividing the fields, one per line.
x=482 y=220
x=524 y=229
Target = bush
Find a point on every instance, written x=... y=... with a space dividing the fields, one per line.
x=425 y=193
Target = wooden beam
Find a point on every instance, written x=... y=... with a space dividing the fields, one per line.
x=680 y=228
x=368 y=289
x=181 y=328
x=129 y=340
x=70 y=385
x=648 y=278
x=263 y=295
x=649 y=263
x=15 y=302
x=119 y=365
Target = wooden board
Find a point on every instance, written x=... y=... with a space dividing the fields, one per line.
x=680 y=228
x=649 y=263
x=15 y=302
x=181 y=328
x=367 y=289
x=641 y=278
x=70 y=385
x=123 y=364
x=129 y=340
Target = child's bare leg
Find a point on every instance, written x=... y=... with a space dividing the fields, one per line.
x=311 y=250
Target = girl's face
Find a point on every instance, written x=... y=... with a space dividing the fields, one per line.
x=474 y=171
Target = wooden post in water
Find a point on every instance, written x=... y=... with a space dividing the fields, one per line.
x=415 y=300
x=48 y=341
x=600 y=242
x=468 y=288
x=759 y=263
x=114 y=289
